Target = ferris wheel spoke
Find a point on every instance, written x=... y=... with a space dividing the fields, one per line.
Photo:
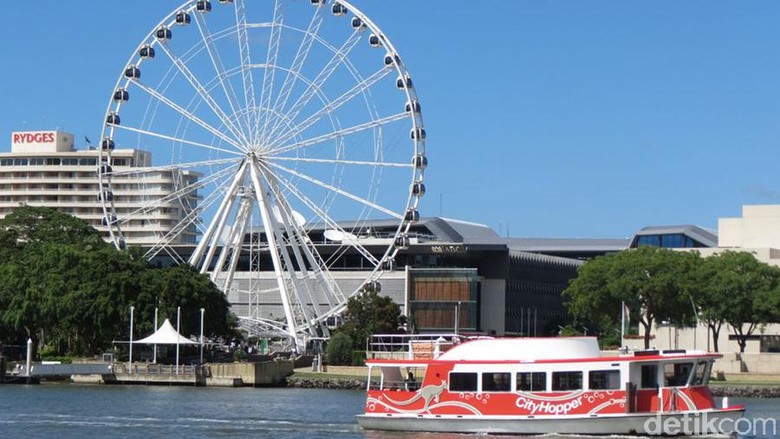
x=216 y=62
x=203 y=93
x=333 y=105
x=317 y=210
x=184 y=112
x=316 y=85
x=339 y=191
x=345 y=162
x=173 y=196
x=246 y=72
x=339 y=133
x=274 y=43
x=295 y=70
x=191 y=219
x=177 y=139
x=145 y=170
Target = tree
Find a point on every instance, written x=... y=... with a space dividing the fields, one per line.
x=29 y=224
x=369 y=313
x=650 y=280
x=742 y=292
x=61 y=285
x=183 y=286
x=339 y=349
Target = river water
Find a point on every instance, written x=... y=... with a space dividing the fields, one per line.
x=68 y=411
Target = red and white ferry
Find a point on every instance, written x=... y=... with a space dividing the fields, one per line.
x=542 y=385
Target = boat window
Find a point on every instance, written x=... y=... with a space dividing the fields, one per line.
x=567 y=380
x=496 y=382
x=676 y=374
x=463 y=382
x=603 y=379
x=698 y=377
x=650 y=376
x=532 y=381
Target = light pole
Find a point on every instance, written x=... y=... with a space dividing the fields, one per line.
x=154 y=360
x=178 y=334
x=202 y=311
x=130 y=360
x=457 y=317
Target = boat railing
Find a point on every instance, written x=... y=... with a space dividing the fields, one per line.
x=410 y=346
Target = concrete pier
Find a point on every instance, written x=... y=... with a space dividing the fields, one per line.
x=269 y=373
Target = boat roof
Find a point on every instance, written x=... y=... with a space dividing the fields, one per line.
x=524 y=349
x=540 y=350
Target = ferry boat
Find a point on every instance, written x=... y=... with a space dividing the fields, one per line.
x=541 y=385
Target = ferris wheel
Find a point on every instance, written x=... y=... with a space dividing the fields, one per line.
x=244 y=137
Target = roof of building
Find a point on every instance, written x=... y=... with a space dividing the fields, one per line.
x=451 y=230
x=700 y=234
x=565 y=245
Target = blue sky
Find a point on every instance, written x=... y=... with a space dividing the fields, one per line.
x=549 y=119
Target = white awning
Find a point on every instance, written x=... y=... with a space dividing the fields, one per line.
x=165 y=335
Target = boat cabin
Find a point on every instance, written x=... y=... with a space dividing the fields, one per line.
x=568 y=370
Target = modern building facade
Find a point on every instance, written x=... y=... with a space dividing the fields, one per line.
x=44 y=169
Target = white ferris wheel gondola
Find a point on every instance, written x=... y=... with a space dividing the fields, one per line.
x=257 y=126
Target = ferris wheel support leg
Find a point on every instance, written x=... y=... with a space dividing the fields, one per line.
x=299 y=277
x=223 y=208
x=262 y=202
x=237 y=243
x=306 y=249
x=229 y=246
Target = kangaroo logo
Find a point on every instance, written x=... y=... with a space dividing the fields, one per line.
x=431 y=392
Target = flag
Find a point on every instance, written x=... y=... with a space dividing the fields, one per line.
x=86 y=139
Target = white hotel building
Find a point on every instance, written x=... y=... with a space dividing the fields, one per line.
x=44 y=169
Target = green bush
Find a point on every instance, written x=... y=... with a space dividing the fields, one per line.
x=358 y=358
x=339 y=350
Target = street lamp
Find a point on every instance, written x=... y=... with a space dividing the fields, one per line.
x=202 y=311
x=154 y=360
x=130 y=362
x=457 y=317
x=178 y=334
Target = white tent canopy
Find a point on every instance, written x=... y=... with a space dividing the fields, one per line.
x=166 y=334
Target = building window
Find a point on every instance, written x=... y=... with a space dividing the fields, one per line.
x=496 y=382
x=603 y=379
x=443 y=299
x=567 y=380
x=672 y=240
x=532 y=381
x=463 y=382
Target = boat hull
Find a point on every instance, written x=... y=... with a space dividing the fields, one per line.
x=710 y=422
